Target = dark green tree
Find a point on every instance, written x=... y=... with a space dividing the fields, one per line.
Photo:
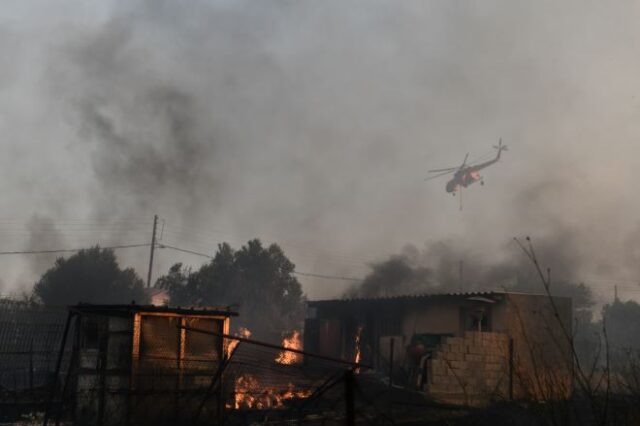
x=90 y=276
x=257 y=281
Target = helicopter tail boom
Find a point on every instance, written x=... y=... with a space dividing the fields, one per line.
x=500 y=147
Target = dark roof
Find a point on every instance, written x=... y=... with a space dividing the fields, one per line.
x=133 y=308
x=419 y=297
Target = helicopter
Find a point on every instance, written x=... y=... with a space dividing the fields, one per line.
x=466 y=174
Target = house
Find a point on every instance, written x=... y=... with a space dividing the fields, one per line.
x=134 y=364
x=461 y=348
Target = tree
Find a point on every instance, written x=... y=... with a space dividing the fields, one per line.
x=91 y=276
x=259 y=281
x=622 y=320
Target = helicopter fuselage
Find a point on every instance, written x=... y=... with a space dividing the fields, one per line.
x=463 y=179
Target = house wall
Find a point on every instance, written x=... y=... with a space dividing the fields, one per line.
x=543 y=360
x=431 y=318
x=104 y=359
x=500 y=317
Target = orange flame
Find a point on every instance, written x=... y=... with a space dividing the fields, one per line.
x=242 y=332
x=250 y=395
x=291 y=342
x=358 y=354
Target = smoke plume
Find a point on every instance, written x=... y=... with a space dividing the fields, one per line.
x=312 y=125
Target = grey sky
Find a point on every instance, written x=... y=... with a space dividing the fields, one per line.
x=312 y=124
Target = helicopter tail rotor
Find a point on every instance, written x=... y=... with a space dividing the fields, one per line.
x=500 y=146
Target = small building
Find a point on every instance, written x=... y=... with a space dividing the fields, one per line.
x=139 y=365
x=461 y=348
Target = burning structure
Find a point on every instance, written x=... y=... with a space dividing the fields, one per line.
x=133 y=364
x=461 y=348
x=137 y=364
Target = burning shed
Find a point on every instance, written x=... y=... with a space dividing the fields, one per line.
x=462 y=348
x=133 y=364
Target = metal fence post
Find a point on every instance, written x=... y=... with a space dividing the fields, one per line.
x=57 y=372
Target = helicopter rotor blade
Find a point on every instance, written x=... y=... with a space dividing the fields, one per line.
x=448 y=169
x=438 y=175
x=464 y=163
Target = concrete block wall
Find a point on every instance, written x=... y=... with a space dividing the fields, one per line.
x=470 y=370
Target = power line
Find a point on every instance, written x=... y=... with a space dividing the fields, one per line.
x=329 y=277
x=208 y=234
x=185 y=250
x=2 y=253
x=305 y=274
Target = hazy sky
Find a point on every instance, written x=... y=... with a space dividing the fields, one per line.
x=312 y=124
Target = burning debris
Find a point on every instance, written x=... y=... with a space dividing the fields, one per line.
x=358 y=354
x=293 y=341
x=249 y=394
x=262 y=390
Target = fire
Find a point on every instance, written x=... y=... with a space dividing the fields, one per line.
x=358 y=355
x=291 y=342
x=242 y=332
x=250 y=395
x=357 y=344
x=246 y=390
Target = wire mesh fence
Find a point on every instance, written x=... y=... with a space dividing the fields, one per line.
x=29 y=339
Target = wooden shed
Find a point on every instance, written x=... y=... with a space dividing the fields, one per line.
x=134 y=364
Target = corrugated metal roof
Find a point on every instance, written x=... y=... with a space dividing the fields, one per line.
x=406 y=297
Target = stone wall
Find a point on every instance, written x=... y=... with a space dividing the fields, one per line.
x=470 y=370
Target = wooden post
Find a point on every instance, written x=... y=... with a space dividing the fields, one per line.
x=349 y=386
x=153 y=247
x=31 y=367
x=391 y=344
x=511 y=368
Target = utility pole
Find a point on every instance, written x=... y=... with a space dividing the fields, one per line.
x=615 y=292
x=153 y=247
x=461 y=272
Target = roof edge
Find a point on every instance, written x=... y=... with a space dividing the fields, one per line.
x=419 y=296
x=133 y=308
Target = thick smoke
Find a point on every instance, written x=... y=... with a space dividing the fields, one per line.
x=446 y=267
x=312 y=124
x=43 y=235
